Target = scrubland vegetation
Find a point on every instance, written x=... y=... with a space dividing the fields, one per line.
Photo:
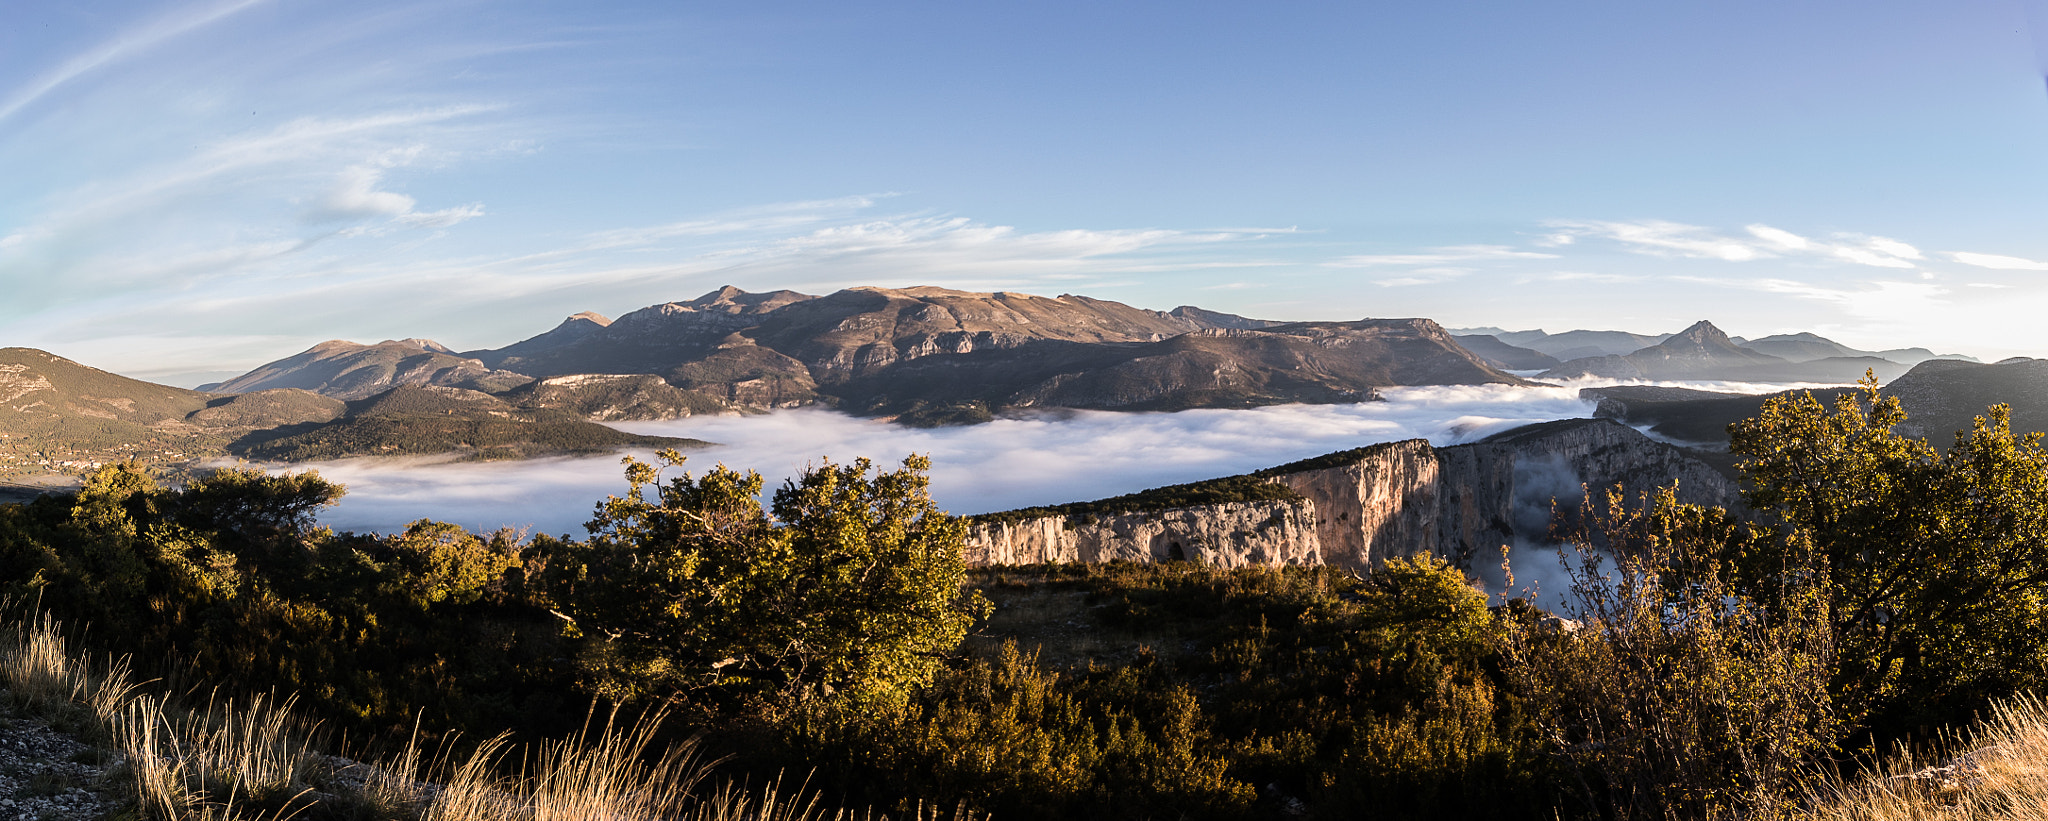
x=828 y=649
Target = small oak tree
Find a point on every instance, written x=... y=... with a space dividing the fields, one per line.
x=852 y=588
x=1675 y=693
x=1938 y=561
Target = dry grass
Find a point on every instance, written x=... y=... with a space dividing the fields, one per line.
x=223 y=761
x=259 y=760
x=1998 y=772
x=42 y=675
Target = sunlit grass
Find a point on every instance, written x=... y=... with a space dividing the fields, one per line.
x=259 y=759
x=1996 y=772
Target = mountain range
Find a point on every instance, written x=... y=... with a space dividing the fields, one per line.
x=920 y=356
x=1940 y=398
x=1701 y=351
x=1795 y=347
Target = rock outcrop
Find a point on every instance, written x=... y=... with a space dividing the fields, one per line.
x=1359 y=508
x=1232 y=534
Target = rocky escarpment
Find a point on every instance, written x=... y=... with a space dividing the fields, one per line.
x=1359 y=508
x=1230 y=534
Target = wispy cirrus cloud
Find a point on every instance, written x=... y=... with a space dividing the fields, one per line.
x=1584 y=276
x=1757 y=242
x=1998 y=262
x=227 y=205
x=122 y=46
x=1891 y=301
x=1439 y=256
x=1422 y=276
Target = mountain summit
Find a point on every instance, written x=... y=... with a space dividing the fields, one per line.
x=1702 y=351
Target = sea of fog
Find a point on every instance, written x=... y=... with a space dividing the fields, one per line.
x=1009 y=463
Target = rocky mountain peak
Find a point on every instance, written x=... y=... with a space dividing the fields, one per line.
x=727 y=299
x=591 y=317
x=410 y=342
x=1698 y=334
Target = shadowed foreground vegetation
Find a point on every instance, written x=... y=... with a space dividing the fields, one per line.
x=1712 y=665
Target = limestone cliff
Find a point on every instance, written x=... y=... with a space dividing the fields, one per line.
x=1380 y=503
x=1231 y=534
x=1359 y=508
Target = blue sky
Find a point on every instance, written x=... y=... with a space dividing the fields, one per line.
x=190 y=187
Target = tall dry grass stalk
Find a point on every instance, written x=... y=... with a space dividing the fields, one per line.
x=258 y=760
x=1998 y=772
x=43 y=675
x=221 y=761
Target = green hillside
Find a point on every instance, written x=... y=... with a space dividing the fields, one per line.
x=58 y=417
x=417 y=421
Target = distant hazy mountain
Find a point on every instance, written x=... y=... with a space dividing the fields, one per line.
x=1502 y=355
x=1704 y=352
x=347 y=370
x=922 y=355
x=1579 y=344
x=1799 y=347
x=1806 y=347
x=1940 y=398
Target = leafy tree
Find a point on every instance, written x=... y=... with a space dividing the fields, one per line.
x=854 y=585
x=1938 y=562
x=1678 y=694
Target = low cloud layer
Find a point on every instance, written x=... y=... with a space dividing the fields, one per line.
x=997 y=466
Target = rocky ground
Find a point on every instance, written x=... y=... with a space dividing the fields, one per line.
x=49 y=775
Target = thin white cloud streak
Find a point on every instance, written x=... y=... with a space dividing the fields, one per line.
x=1001 y=465
x=122 y=46
x=1422 y=276
x=1584 y=276
x=1886 y=301
x=1998 y=262
x=1673 y=239
x=1438 y=256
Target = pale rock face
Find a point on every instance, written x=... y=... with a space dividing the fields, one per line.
x=1226 y=535
x=1382 y=506
x=16 y=381
x=1396 y=500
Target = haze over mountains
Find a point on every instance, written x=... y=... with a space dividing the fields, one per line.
x=1940 y=398
x=1701 y=351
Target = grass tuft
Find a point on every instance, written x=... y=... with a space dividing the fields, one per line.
x=1998 y=772
x=259 y=760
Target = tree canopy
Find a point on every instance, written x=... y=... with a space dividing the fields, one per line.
x=852 y=586
x=1937 y=561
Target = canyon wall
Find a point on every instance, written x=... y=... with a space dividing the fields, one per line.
x=1359 y=508
x=1232 y=534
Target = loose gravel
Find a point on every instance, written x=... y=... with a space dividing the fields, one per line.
x=48 y=775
